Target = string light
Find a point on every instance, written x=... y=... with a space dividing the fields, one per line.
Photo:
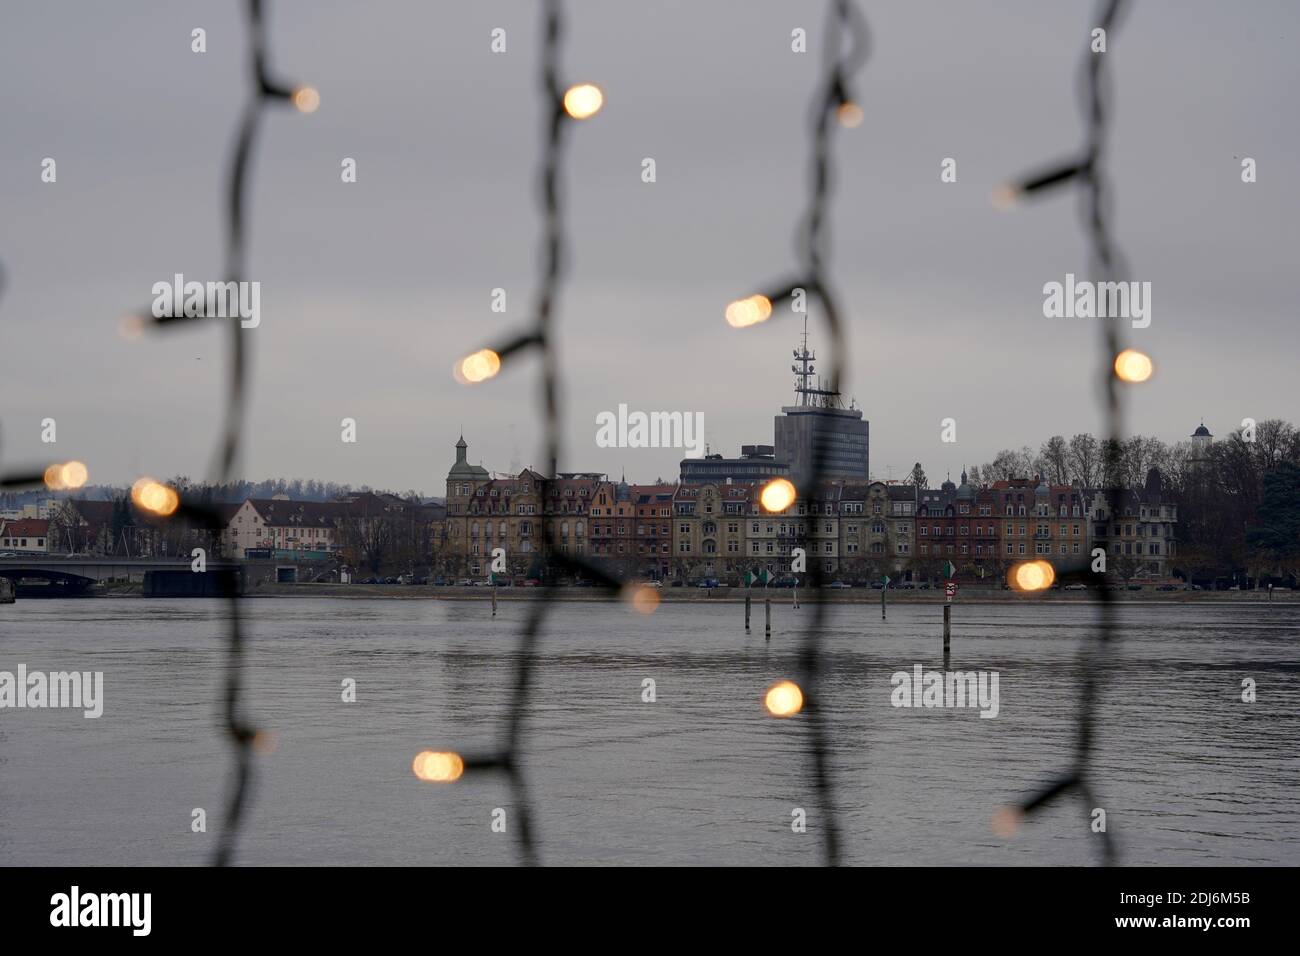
x=578 y=102
x=643 y=598
x=1032 y=576
x=777 y=495
x=154 y=497
x=832 y=103
x=583 y=101
x=783 y=699
x=1127 y=365
x=477 y=367
x=306 y=99
x=850 y=115
x=67 y=476
x=438 y=767
x=750 y=311
x=1133 y=366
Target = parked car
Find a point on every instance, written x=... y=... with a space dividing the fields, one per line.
x=923 y=586
x=790 y=582
x=464 y=583
x=877 y=585
x=1076 y=587
x=838 y=585
x=1135 y=587
x=677 y=584
x=1192 y=587
x=655 y=584
x=1167 y=587
x=708 y=583
x=532 y=583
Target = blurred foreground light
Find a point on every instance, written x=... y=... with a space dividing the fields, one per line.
x=849 y=114
x=1033 y=576
x=784 y=699
x=1133 y=366
x=746 y=312
x=583 y=100
x=1007 y=820
x=265 y=741
x=643 y=598
x=437 y=767
x=1005 y=196
x=62 y=477
x=479 y=367
x=777 y=495
x=131 y=326
x=306 y=99
x=154 y=497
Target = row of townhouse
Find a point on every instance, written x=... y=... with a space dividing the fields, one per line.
x=858 y=531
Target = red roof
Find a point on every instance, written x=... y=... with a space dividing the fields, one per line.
x=26 y=528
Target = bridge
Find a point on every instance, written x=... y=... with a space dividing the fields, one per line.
x=69 y=575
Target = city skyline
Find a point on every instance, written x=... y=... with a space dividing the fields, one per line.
x=371 y=290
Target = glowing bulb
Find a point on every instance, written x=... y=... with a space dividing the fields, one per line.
x=62 y=476
x=434 y=767
x=750 y=311
x=850 y=115
x=74 y=474
x=583 y=100
x=306 y=99
x=155 y=497
x=1005 y=196
x=643 y=598
x=1007 y=821
x=1133 y=366
x=784 y=699
x=777 y=495
x=1033 y=576
x=479 y=367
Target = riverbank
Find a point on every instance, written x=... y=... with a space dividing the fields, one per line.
x=968 y=595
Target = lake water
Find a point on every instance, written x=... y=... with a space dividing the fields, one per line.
x=1186 y=771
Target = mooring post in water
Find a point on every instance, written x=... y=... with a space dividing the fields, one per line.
x=747 y=599
x=882 y=601
x=947 y=628
x=494 y=600
x=768 y=604
x=795 y=598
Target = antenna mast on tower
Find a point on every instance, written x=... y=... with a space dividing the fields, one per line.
x=807 y=394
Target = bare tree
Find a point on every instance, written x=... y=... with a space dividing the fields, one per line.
x=1085 y=460
x=1055 y=455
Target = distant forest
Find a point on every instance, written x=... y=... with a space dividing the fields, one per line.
x=233 y=491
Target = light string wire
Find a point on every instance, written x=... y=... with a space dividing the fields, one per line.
x=1105 y=263
x=832 y=99
x=508 y=758
x=263 y=91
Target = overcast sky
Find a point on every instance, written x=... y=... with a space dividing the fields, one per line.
x=370 y=290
